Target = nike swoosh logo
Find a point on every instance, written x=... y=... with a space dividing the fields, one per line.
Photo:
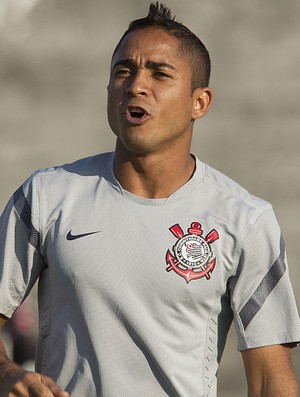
x=71 y=236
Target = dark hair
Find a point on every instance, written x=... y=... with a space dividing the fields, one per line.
x=191 y=47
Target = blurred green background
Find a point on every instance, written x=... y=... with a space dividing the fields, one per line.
x=54 y=67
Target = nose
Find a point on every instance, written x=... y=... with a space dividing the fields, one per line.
x=138 y=85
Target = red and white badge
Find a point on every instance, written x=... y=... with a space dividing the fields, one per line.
x=192 y=256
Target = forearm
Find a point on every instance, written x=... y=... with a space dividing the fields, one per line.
x=15 y=381
x=270 y=373
x=9 y=371
x=275 y=387
x=6 y=364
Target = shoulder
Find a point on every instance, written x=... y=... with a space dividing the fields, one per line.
x=84 y=166
x=232 y=194
x=89 y=166
x=57 y=182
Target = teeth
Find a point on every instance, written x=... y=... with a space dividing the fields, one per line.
x=137 y=110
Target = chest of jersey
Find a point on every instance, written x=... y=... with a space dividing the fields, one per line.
x=129 y=280
x=117 y=249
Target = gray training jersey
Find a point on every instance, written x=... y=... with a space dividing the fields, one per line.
x=136 y=295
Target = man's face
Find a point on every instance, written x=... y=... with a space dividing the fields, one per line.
x=150 y=103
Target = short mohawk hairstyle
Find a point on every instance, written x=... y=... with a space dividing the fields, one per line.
x=190 y=46
x=158 y=13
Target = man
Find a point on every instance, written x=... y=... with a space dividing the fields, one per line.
x=145 y=255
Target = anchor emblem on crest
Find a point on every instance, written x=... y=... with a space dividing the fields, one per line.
x=192 y=256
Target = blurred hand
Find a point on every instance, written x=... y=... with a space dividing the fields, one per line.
x=29 y=384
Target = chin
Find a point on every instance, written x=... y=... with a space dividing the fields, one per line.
x=138 y=150
x=138 y=146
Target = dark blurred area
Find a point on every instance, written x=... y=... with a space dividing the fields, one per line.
x=54 y=68
x=21 y=331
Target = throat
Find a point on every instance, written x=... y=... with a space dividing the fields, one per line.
x=153 y=180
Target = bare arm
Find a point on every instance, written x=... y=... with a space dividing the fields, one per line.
x=269 y=372
x=16 y=382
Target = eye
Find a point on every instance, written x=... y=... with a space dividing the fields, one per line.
x=122 y=72
x=161 y=75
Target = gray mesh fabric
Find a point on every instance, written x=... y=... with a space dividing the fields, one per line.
x=136 y=295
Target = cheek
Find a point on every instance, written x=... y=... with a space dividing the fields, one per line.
x=112 y=111
x=178 y=107
x=111 y=95
x=178 y=96
x=113 y=103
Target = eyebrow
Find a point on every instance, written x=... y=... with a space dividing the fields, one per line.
x=159 y=65
x=148 y=64
x=123 y=62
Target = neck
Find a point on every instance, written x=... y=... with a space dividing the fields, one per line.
x=152 y=176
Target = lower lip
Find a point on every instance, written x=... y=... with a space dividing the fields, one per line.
x=135 y=120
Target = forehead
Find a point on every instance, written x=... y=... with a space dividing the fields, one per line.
x=150 y=43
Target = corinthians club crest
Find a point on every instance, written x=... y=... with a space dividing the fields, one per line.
x=192 y=255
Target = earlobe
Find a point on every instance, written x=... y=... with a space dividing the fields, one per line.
x=202 y=101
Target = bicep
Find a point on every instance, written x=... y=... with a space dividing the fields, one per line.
x=269 y=371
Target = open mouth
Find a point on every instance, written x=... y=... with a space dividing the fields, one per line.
x=136 y=114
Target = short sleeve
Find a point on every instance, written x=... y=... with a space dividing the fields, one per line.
x=262 y=297
x=20 y=259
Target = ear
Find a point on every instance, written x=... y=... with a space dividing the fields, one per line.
x=202 y=98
